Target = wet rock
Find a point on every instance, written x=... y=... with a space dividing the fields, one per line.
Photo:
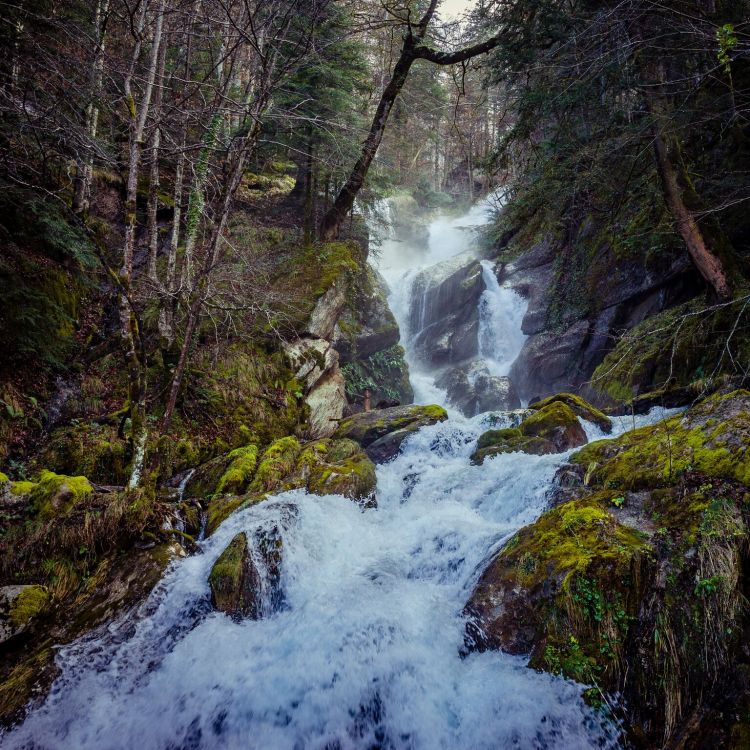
x=444 y=316
x=635 y=581
x=382 y=431
x=473 y=390
x=18 y=606
x=572 y=329
x=580 y=407
x=552 y=429
x=245 y=476
x=235 y=581
x=367 y=324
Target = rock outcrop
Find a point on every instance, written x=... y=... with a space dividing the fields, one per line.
x=381 y=431
x=635 y=581
x=575 y=315
x=473 y=390
x=444 y=315
x=367 y=340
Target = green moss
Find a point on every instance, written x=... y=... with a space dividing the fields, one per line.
x=658 y=455
x=277 y=462
x=537 y=434
x=57 y=494
x=22 y=488
x=239 y=472
x=549 y=417
x=28 y=604
x=227 y=577
x=3 y=477
x=579 y=406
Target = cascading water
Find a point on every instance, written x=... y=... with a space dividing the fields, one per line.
x=501 y=312
x=366 y=650
x=402 y=264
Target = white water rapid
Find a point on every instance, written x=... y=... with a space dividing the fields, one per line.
x=365 y=652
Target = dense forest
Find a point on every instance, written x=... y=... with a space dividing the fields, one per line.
x=375 y=374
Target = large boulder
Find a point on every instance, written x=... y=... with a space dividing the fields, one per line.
x=554 y=428
x=580 y=407
x=381 y=432
x=248 y=475
x=473 y=390
x=635 y=581
x=444 y=314
x=573 y=316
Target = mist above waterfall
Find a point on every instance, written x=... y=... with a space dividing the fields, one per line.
x=451 y=310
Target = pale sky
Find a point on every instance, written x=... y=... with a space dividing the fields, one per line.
x=452 y=9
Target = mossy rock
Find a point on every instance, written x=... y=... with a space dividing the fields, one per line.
x=322 y=467
x=240 y=471
x=89 y=449
x=580 y=408
x=57 y=494
x=235 y=581
x=553 y=428
x=713 y=437
x=638 y=571
x=19 y=605
x=381 y=431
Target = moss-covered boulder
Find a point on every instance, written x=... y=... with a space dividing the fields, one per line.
x=553 y=428
x=580 y=407
x=235 y=581
x=18 y=606
x=247 y=475
x=635 y=583
x=58 y=494
x=381 y=432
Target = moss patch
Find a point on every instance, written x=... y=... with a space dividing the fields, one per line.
x=27 y=605
x=580 y=407
x=553 y=428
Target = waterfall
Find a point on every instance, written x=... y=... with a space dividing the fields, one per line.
x=362 y=639
x=364 y=652
x=501 y=312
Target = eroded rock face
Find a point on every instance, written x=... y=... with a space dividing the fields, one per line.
x=381 y=432
x=637 y=574
x=567 y=340
x=473 y=390
x=444 y=317
x=316 y=365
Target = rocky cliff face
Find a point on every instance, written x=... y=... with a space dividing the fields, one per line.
x=576 y=314
x=444 y=317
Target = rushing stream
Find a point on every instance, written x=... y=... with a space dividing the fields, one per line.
x=365 y=651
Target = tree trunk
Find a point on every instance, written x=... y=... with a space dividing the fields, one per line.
x=85 y=164
x=412 y=50
x=129 y=328
x=334 y=218
x=709 y=265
